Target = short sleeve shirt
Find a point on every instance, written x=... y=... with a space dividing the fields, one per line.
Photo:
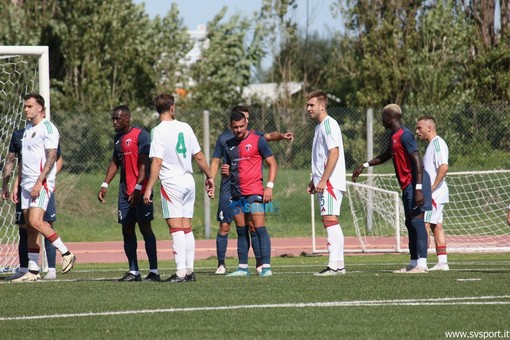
x=128 y=147
x=402 y=144
x=246 y=169
x=326 y=137
x=176 y=144
x=435 y=156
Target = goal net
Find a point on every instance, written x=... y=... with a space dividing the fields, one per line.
x=23 y=69
x=474 y=219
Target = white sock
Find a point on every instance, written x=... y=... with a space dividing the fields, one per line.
x=134 y=272
x=52 y=270
x=413 y=263
x=422 y=262
x=340 y=256
x=33 y=260
x=60 y=246
x=23 y=269
x=190 y=252
x=179 y=248
x=335 y=237
x=442 y=258
x=155 y=271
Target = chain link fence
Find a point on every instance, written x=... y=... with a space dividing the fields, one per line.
x=478 y=139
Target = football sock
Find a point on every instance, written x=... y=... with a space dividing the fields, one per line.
x=265 y=245
x=23 y=248
x=412 y=240
x=242 y=245
x=334 y=234
x=221 y=247
x=190 y=251
x=421 y=237
x=179 y=248
x=51 y=253
x=130 y=245
x=413 y=263
x=422 y=262
x=151 y=250
x=33 y=260
x=60 y=246
x=442 y=256
x=255 y=244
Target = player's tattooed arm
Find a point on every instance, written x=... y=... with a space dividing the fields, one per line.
x=51 y=158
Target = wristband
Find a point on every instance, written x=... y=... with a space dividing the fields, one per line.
x=270 y=185
x=418 y=187
x=138 y=187
x=104 y=185
x=366 y=165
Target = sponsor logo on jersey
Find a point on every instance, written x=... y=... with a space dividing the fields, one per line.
x=248 y=147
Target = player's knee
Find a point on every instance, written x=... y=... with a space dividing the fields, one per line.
x=329 y=222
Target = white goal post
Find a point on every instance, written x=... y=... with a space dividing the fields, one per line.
x=23 y=69
x=474 y=219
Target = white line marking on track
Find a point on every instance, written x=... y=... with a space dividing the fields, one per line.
x=468 y=300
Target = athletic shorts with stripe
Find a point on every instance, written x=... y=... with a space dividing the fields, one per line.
x=50 y=215
x=40 y=202
x=435 y=215
x=178 y=196
x=330 y=202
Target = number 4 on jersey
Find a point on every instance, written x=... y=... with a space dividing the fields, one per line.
x=181 y=145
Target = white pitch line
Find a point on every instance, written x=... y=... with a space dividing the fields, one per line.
x=469 y=300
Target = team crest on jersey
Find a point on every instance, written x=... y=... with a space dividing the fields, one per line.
x=248 y=147
x=128 y=141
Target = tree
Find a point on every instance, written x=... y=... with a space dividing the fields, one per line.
x=228 y=55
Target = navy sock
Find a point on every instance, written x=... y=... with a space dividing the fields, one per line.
x=151 y=249
x=130 y=246
x=265 y=245
x=242 y=244
x=421 y=237
x=255 y=244
x=411 y=231
x=23 y=248
x=51 y=253
x=221 y=248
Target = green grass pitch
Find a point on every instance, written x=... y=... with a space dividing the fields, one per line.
x=369 y=302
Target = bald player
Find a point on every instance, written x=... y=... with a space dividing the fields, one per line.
x=413 y=180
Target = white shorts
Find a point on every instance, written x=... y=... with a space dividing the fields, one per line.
x=40 y=202
x=435 y=215
x=178 y=197
x=330 y=203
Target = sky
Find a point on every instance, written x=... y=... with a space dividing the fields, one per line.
x=197 y=12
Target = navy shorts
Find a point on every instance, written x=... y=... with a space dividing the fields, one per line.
x=410 y=207
x=224 y=213
x=247 y=204
x=129 y=214
x=50 y=214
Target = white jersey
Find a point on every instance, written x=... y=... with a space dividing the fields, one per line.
x=175 y=143
x=36 y=140
x=435 y=156
x=328 y=136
